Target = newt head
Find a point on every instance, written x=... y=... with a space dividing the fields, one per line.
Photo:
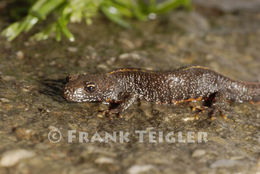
x=86 y=88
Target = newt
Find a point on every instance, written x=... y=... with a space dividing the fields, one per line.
x=187 y=84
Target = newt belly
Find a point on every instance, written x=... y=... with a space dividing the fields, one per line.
x=125 y=86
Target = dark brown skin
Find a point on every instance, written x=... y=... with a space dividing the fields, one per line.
x=125 y=86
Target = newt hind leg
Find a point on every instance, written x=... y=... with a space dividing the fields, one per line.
x=216 y=103
x=198 y=109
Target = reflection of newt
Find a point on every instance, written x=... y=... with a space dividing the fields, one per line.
x=124 y=86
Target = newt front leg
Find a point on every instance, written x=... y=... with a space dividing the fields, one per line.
x=122 y=105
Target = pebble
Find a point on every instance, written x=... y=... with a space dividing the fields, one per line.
x=12 y=157
x=4 y=100
x=224 y=163
x=188 y=119
x=128 y=43
x=102 y=66
x=19 y=55
x=100 y=115
x=8 y=78
x=104 y=160
x=72 y=49
x=198 y=153
x=52 y=63
x=23 y=133
x=111 y=61
x=130 y=55
x=136 y=169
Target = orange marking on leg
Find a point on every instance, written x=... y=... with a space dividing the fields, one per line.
x=194 y=109
x=200 y=108
x=196 y=117
x=109 y=100
x=224 y=116
x=212 y=118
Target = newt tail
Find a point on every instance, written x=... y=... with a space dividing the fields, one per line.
x=239 y=91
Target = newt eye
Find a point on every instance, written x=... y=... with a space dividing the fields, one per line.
x=90 y=87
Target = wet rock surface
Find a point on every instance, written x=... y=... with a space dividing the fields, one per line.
x=32 y=75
